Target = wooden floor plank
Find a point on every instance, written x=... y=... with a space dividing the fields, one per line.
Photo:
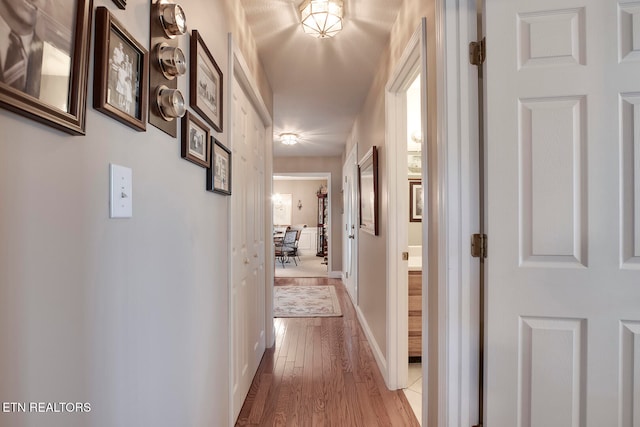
x=321 y=372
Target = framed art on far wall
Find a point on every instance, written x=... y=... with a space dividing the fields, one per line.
x=121 y=68
x=416 y=201
x=49 y=83
x=368 y=183
x=219 y=173
x=195 y=141
x=205 y=82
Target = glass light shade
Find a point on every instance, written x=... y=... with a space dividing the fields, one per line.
x=289 y=138
x=321 y=18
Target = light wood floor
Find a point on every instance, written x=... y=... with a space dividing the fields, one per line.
x=321 y=372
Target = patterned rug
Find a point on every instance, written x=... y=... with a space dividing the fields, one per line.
x=305 y=301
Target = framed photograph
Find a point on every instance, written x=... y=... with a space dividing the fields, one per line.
x=219 y=173
x=47 y=80
x=414 y=164
x=205 y=82
x=368 y=183
x=121 y=72
x=416 y=201
x=196 y=145
x=122 y=4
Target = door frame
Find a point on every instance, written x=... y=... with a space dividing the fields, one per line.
x=239 y=70
x=318 y=175
x=450 y=276
x=411 y=63
x=451 y=397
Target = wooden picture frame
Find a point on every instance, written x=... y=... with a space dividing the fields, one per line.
x=368 y=189
x=416 y=200
x=205 y=82
x=219 y=172
x=121 y=73
x=122 y=4
x=52 y=89
x=196 y=143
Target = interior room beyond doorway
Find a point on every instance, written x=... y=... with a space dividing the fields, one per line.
x=301 y=204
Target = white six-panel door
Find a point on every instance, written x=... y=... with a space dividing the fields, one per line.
x=563 y=188
x=247 y=245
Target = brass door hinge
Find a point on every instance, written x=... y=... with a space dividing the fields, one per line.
x=478 y=52
x=479 y=246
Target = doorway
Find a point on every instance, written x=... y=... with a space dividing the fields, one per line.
x=301 y=203
x=406 y=123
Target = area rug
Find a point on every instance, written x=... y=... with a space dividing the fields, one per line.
x=305 y=301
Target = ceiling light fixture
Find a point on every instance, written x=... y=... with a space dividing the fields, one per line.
x=321 y=18
x=289 y=138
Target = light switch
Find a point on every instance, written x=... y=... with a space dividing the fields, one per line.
x=121 y=200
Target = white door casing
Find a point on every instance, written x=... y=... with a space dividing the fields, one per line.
x=350 y=223
x=409 y=66
x=563 y=213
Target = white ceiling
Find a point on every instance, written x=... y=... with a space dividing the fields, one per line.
x=319 y=85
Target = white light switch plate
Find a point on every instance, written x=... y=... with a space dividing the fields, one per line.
x=121 y=194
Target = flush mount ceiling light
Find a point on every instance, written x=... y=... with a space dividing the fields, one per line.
x=321 y=18
x=289 y=138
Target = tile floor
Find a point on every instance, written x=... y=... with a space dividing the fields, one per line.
x=414 y=391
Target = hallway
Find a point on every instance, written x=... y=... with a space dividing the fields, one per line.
x=321 y=372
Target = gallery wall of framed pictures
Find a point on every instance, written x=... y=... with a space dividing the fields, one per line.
x=121 y=84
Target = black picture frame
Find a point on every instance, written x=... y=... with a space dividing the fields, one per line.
x=219 y=172
x=66 y=37
x=205 y=82
x=121 y=73
x=196 y=142
x=416 y=200
x=368 y=189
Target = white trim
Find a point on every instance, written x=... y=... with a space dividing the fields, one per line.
x=375 y=349
x=409 y=66
x=335 y=275
x=238 y=69
x=452 y=391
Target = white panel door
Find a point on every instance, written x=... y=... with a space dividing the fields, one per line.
x=563 y=213
x=350 y=224
x=247 y=245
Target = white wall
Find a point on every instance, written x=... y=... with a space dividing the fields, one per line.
x=305 y=192
x=129 y=315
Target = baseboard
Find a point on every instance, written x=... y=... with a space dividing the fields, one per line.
x=335 y=275
x=375 y=349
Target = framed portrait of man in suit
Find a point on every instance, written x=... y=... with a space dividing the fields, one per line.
x=44 y=54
